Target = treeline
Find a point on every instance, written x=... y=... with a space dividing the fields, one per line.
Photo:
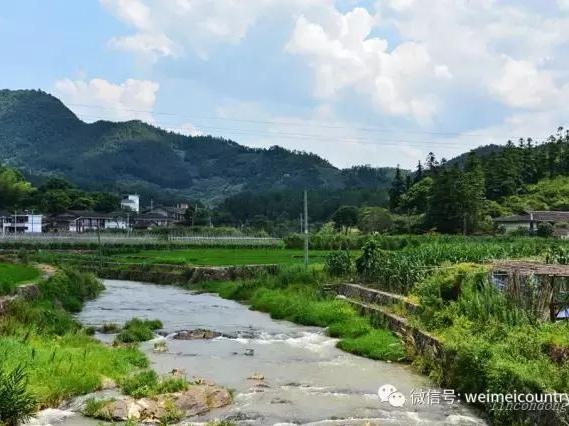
x=279 y=212
x=55 y=195
x=462 y=195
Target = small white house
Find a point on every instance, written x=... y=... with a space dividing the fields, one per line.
x=19 y=223
x=131 y=202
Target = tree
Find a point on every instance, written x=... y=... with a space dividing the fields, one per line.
x=457 y=198
x=544 y=229
x=397 y=189
x=418 y=173
x=471 y=193
x=345 y=217
x=374 y=219
x=106 y=202
x=56 y=183
x=197 y=215
x=55 y=201
x=416 y=199
x=13 y=188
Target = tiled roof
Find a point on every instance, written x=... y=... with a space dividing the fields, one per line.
x=514 y=218
x=537 y=216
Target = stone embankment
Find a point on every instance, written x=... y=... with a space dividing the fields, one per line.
x=378 y=305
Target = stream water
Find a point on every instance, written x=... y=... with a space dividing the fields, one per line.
x=307 y=379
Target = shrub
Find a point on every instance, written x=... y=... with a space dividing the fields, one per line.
x=16 y=403
x=339 y=263
x=71 y=288
x=557 y=255
x=544 y=229
x=138 y=330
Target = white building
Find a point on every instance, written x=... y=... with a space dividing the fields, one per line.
x=131 y=202
x=20 y=223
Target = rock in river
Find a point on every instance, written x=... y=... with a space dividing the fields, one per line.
x=198 y=399
x=198 y=333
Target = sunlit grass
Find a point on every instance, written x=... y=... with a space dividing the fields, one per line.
x=11 y=275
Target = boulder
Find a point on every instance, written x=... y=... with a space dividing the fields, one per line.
x=197 y=400
x=197 y=334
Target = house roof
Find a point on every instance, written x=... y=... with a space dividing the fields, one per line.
x=151 y=216
x=513 y=218
x=76 y=214
x=536 y=216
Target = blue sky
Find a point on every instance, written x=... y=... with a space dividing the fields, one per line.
x=358 y=82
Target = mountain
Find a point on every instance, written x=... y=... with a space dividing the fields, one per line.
x=41 y=137
x=481 y=151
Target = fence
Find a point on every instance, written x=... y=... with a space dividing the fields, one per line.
x=120 y=239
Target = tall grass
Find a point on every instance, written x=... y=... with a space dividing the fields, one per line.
x=490 y=345
x=59 y=358
x=12 y=275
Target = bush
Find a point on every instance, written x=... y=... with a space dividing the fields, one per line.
x=138 y=330
x=557 y=255
x=71 y=288
x=544 y=229
x=339 y=263
x=16 y=403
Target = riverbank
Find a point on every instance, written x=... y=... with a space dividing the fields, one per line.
x=46 y=356
x=295 y=294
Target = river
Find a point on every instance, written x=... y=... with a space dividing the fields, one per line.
x=307 y=380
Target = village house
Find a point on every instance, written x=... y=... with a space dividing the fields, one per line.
x=160 y=217
x=85 y=221
x=530 y=221
x=20 y=222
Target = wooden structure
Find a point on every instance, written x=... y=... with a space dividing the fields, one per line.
x=538 y=288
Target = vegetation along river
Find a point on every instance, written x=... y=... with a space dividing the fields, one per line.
x=306 y=379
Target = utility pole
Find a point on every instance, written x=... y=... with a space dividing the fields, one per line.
x=301 y=223
x=305 y=229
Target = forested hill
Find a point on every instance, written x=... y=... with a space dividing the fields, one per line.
x=41 y=137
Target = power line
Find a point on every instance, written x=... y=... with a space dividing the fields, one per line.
x=306 y=136
x=311 y=123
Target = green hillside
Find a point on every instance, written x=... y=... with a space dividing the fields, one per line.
x=547 y=194
x=41 y=137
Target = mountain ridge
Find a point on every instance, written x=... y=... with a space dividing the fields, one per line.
x=41 y=137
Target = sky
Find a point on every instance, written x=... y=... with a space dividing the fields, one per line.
x=357 y=82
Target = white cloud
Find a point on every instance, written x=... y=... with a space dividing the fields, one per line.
x=521 y=85
x=153 y=45
x=344 y=56
x=193 y=25
x=188 y=129
x=441 y=54
x=100 y=99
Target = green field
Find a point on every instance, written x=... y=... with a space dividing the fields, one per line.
x=223 y=256
x=13 y=275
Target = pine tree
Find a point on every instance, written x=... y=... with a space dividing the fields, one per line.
x=397 y=189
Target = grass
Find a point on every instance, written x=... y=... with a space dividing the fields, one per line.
x=59 y=358
x=59 y=367
x=147 y=383
x=138 y=330
x=294 y=295
x=11 y=275
x=223 y=256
